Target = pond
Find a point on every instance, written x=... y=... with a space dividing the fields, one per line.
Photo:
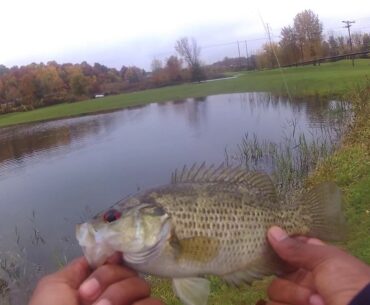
x=53 y=174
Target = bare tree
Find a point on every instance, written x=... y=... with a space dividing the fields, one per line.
x=190 y=51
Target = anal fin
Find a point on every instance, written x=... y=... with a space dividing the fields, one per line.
x=192 y=290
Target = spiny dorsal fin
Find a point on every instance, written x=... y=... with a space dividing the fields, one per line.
x=262 y=184
x=254 y=182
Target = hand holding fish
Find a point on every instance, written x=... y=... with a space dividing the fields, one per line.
x=110 y=284
x=325 y=275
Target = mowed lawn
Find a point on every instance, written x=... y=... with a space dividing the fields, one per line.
x=326 y=80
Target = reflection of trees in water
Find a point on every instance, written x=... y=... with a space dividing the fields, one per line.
x=197 y=111
x=18 y=142
x=317 y=110
x=193 y=109
x=21 y=141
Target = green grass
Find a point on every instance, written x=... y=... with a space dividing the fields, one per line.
x=331 y=79
x=349 y=167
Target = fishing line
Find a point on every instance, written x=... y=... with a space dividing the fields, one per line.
x=276 y=57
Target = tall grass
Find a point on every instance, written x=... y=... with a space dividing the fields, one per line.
x=18 y=272
x=290 y=160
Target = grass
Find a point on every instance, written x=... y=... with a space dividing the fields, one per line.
x=349 y=167
x=326 y=80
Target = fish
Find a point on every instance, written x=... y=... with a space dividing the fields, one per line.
x=208 y=221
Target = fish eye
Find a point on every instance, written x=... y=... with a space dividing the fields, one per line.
x=111 y=215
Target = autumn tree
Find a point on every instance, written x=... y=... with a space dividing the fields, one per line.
x=289 y=46
x=173 y=68
x=156 y=65
x=134 y=75
x=365 y=42
x=190 y=51
x=122 y=72
x=3 y=70
x=159 y=74
x=333 y=46
x=308 y=30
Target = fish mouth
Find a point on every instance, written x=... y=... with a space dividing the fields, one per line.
x=95 y=249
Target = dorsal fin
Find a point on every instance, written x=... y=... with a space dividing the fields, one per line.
x=254 y=182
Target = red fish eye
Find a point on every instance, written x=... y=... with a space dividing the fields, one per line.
x=111 y=215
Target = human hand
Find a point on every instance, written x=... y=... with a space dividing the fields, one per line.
x=323 y=274
x=76 y=284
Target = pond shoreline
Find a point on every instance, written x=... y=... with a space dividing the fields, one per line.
x=330 y=80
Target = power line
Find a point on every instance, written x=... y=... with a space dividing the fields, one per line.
x=266 y=39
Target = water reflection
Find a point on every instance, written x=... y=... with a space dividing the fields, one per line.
x=18 y=143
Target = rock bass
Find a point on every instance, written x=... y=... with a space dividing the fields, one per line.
x=208 y=221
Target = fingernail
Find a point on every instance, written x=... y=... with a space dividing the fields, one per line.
x=90 y=288
x=315 y=299
x=104 y=302
x=277 y=233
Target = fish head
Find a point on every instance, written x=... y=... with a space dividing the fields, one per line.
x=137 y=229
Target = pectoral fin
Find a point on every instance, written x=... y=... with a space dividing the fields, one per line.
x=192 y=290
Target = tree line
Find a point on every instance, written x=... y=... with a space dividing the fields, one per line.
x=304 y=41
x=37 y=85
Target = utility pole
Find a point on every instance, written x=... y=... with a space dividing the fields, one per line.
x=270 y=41
x=240 y=62
x=246 y=52
x=348 y=26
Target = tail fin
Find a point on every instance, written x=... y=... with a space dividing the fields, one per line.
x=324 y=206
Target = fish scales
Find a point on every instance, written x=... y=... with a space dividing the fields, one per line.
x=223 y=215
x=208 y=221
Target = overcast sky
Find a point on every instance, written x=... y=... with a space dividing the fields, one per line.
x=134 y=32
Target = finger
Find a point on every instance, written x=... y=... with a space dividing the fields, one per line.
x=316 y=300
x=308 y=240
x=116 y=258
x=297 y=253
x=149 y=301
x=315 y=241
x=303 y=278
x=74 y=273
x=103 y=277
x=125 y=292
x=284 y=291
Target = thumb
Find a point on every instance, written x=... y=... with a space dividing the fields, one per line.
x=296 y=252
x=74 y=273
